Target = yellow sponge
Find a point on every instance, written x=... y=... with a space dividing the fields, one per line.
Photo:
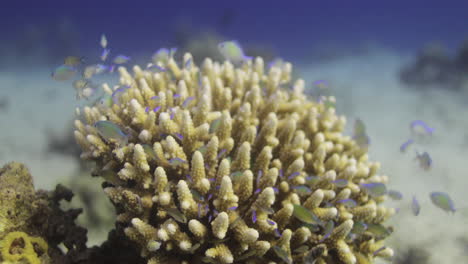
x=17 y=246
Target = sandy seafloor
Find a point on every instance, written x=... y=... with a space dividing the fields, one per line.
x=366 y=86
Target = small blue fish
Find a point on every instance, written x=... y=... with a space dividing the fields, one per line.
x=415 y=207
x=302 y=190
x=179 y=136
x=304 y=215
x=177 y=161
x=103 y=41
x=312 y=180
x=188 y=64
x=233 y=52
x=329 y=226
x=259 y=176
x=111 y=132
x=359 y=227
x=375 y=189
x=419 y=127
x=221 y=153
x=360 y=135
x=214 y=125
x=74 y=61
x=156 y=67
x=405 y=145
x=63 y=73
x=348 y=203
x=101 y=68
x=294 y=175
x=277 y=232
x=172 y=114
x=199 y=210
x=187 y=101
x=92 y=70
x=189 y=178
x=443 y=201
x=81 y=84
x=198 y=196
x=236 y=174
x=163 y=55
x=105 y=101
x=425 y=161
x=395 y=195
x=378 y=230
x=118 y=92
x=105 y=54
x=359 y=127
x=301 y=249
x=378 y=251
x=329 y=103
x=203 y=149
x=177 y=215
x=321 y=84
x=121 y=59
x=254 y=216
x=277 y=62
x=282 y=254
x=149 y=151
x=340 y=183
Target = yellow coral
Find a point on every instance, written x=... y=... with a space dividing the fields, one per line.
x=17 y=246
x=215 y=163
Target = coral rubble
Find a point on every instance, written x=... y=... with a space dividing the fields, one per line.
x=225 y=164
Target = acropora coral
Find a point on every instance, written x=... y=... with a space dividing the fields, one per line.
x=232 y=164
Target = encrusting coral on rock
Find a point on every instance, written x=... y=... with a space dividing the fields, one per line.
x=226 y=164
x=32 y=225
x=16 y=246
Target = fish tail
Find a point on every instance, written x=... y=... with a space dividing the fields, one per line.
x=247 y=58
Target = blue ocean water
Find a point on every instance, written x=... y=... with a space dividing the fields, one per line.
x=291 y=28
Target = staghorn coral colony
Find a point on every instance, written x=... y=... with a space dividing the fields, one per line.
x=233 y=164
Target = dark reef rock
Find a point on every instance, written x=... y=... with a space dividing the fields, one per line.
x=462 y=58
x=63 y=143
x=433 y=67
x=413 y=255
x=204 y=44
x=38 y=214
x=4 y=104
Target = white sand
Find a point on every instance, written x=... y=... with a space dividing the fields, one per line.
x=31 y=113
x=366 y=87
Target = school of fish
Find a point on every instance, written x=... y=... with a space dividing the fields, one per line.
x=232 y=51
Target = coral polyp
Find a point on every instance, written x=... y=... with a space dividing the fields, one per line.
x=225 y=164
